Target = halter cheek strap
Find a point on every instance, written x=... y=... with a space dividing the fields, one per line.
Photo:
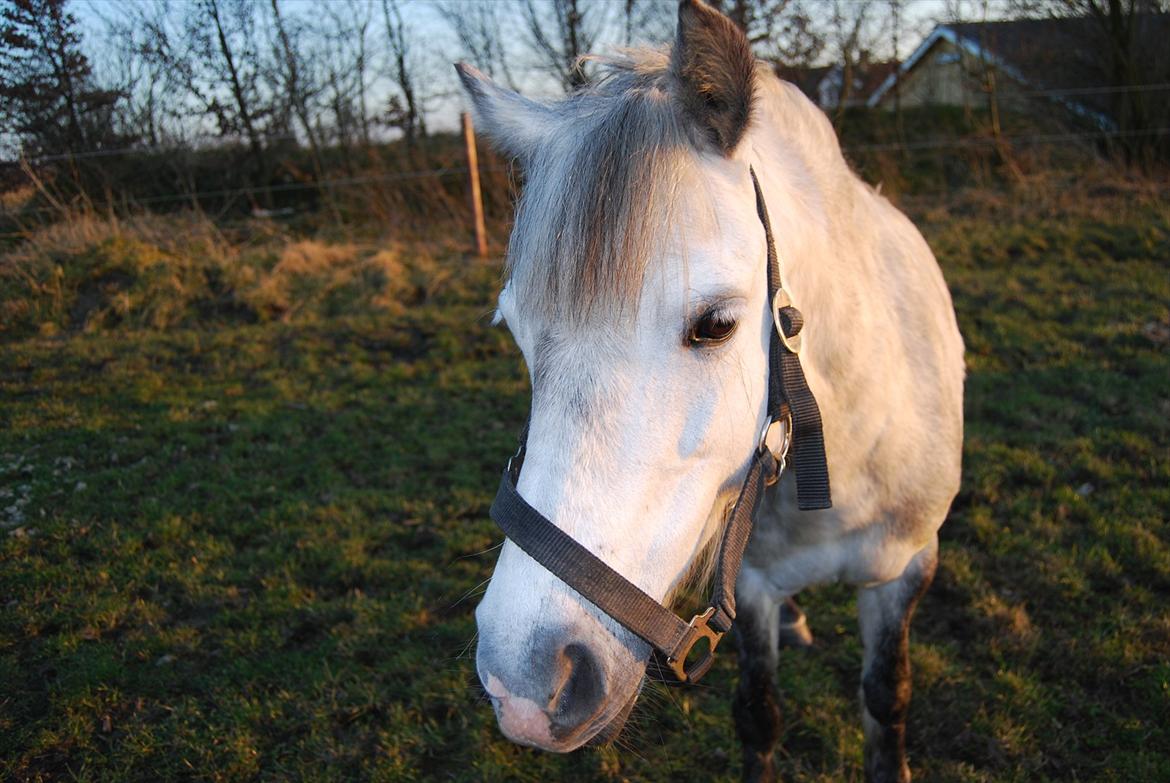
x=792 y=414
x=788 y=391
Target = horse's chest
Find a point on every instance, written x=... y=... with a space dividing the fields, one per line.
x=795 y=549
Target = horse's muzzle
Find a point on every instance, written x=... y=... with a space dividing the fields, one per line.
x=552 y=697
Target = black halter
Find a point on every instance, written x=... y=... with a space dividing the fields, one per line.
x=793 y=417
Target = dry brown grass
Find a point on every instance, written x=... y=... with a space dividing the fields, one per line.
x=1098 y=191
x=91 y=273
x=17 y=198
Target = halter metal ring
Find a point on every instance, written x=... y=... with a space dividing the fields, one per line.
x=774 y=428
x=776 y=437
x=678 y=661
x=779 y=301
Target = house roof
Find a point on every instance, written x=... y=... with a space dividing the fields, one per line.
x=1060 y=58
x=867 y=76
x=807 y=79
x=875 y=75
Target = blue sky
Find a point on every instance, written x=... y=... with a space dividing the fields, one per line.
x=438 y=46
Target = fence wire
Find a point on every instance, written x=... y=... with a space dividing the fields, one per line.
x=942 y=143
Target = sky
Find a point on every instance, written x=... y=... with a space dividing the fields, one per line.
x=439 y=46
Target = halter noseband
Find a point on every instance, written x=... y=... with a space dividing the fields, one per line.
x=792 y=418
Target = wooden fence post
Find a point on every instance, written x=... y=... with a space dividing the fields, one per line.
x=476 y=195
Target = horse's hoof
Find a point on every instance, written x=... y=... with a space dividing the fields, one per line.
x=794 y=630
x=757 y=768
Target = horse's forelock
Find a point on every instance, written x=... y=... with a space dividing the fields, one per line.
x=600 y=197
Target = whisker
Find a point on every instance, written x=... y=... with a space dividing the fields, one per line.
x=673 y=701
x=468 y=594
x=466 y=648
x=479 y=553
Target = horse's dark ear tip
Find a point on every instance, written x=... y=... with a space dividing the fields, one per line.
x=716 y=70
x=470 y=77
x=690 y=11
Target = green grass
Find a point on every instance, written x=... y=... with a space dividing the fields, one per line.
x=251 y=551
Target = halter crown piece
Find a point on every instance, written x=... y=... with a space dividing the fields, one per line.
x=793 y=418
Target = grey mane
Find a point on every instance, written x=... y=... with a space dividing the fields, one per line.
x=600 y=193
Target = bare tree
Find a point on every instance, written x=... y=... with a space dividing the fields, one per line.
x=897 y=8
x=217 y=70
x=208 y=56
x=342 y=116
x=797 y=39
x=166 y=97
x=362 y=16
x=405 y=111
x=141 y=82
x=240 y=76
x=1130 y=53
x=294 y=79
x=648 y=20
x=476 y=24
x=782 y=31
x=757 y=18
x=561 y=32
x=296 y=74
x=852 y=42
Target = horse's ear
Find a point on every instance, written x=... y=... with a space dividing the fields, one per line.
x=513 y=123
x=716 y=71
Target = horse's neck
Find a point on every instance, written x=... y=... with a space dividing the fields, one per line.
x=817 y=207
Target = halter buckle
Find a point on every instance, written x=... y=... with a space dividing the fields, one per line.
x=780 y=300
x=701 y=630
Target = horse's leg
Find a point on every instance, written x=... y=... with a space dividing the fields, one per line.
x=764 y=622
x=885 y=611
x=794 y=630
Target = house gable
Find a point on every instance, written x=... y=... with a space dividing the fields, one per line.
x=1036 y=55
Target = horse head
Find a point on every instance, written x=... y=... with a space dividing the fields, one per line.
x=636 y=291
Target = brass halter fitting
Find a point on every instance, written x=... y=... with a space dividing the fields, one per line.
x=700 y=630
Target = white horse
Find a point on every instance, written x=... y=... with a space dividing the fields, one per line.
x=636 y=290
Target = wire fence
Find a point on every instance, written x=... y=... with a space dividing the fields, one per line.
x=341 y=183
x=289 y=187
x=1020 y=140
x=1112 y=90
x=325 y=184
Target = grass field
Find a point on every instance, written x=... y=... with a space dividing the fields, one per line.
x=249 y=548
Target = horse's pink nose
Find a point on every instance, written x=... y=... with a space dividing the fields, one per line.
x=548 y=700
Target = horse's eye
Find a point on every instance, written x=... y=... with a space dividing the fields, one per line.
x=711 y=329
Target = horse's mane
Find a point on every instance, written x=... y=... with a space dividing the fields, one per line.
x=600 y=192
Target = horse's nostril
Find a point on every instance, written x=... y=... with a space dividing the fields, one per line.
x=581 y=690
